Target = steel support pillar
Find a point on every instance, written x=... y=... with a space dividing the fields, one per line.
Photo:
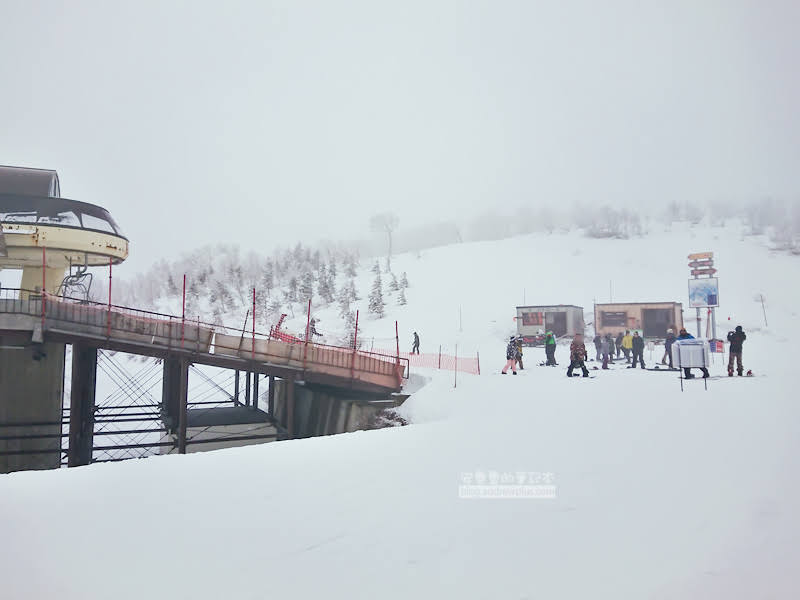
x=290 y=407
x=183 y=415
x=170 y=392
x=271 y=397
x=82 y=405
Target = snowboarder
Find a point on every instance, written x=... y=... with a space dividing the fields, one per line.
x=736 y=338
x=604 y=350
x=618 y=343
x=597 y=341
x=518 y=355
x=627 y=345
x=511 y=357
x=415 y=346
x=670 y=339
x=637 y=345
x=550 y=349
x=577 y=355
x=687 y=374
x=313 y=328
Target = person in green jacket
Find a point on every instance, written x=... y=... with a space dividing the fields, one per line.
x=550 y=349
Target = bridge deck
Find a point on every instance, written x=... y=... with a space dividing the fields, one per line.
x=152 y=334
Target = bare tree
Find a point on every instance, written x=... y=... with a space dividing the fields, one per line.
x=386 y=223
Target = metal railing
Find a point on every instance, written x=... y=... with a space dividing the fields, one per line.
x=194 y=335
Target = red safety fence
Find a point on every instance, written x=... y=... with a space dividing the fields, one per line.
x=430 y=360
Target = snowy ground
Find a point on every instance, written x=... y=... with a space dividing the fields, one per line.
x=659 y=494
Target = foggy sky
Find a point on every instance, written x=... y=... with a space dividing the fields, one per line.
x=268 y=123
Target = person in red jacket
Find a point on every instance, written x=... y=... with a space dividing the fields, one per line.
x=577 y=355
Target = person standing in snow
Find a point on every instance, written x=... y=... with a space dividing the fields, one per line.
x=604 y=350
x=577 y=355
x=610 y=339
x=687 y=374
x=736 y=338
x=518 y=355
x=313 y=328
x=668 y=347
x=637 y=346
x=511 y=357
x=627 y=345
x=598 y=354
x=415 y=345
x=550 y=349
x=618 y=343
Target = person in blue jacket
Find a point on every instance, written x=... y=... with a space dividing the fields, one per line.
x=685 y=335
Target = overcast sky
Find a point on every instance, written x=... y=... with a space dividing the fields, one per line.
x=268 y=123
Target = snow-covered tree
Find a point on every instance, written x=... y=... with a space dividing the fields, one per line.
x=376 y=303
x=401 y=299
x=393 y=285
x=404 y=281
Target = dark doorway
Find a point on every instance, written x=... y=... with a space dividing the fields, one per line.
x=556 y=322
x=656 y=321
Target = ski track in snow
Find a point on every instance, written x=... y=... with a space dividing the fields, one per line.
x=659 y=493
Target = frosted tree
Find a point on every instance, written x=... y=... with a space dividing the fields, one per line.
x=376 y=303
x=306 y=286
x=404 y=281
x=401 y=300
x=393 y=285
x=376 y=268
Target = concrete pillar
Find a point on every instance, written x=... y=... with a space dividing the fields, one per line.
x=170 y=393
x=271 y=397
x=31 y=391
x=81 y=405
x=290 y=407
x=32 y=279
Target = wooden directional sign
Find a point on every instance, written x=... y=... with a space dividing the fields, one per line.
x=703 y=271
x=701 y=255
x=700 y=264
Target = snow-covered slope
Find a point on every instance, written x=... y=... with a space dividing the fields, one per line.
x=659 y=494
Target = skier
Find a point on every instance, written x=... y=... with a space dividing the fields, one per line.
x=637 y=345
x=670 y=339
x=736 y=338
x=511 y=357
x=627 y=345
x=687 y=374
x=415 y=346
x=610 y=340
x=597 y=340
x=550 y=349
x=618 y=343
x=577 y=355
x=518 y=355
x=604 y=350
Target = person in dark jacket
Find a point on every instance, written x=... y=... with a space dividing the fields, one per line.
x=415 y=345
x=511 y=357
x=604 y=350
x=597 y=341
x=618 y=343
x=736 y=338
x=550 y=349
x=638 y=350
x=577 y=355
x=687 y=374
x=670 y=339
x=610 y=340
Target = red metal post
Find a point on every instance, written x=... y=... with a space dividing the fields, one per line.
x=397 y=340
x=355 y=345
x=108 y=318
x=183 y=310
x=308 y=325
x=253 y=348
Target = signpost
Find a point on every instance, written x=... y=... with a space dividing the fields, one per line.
x=704 y=289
